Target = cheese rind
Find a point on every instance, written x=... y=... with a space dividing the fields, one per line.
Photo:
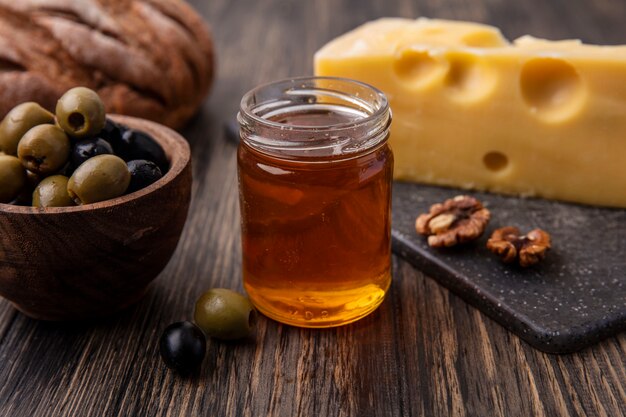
x=470 y=109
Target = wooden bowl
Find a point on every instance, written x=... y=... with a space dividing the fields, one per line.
x=75 y=263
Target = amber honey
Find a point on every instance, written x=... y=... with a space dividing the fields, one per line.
x=316 y=215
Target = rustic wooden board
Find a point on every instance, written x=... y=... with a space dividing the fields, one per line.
x=574 y=298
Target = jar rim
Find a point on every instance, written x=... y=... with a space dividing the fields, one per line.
x=359 y=118
x=245 y=107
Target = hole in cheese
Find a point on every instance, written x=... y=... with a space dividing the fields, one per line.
x=416 y=67
x=551 y=88
x=468 y=78
x=495 y=161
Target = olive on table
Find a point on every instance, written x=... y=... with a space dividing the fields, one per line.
x=20 y=120
x=136 y=144
x=100 y=178
x=225 y=314
x=44 y=149
x=80 y=112
x=142 y=174
x=182 y=347
x=88 y=148
x=12 y=178
x=52 y=192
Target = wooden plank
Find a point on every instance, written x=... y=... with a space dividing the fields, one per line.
x=424 y=352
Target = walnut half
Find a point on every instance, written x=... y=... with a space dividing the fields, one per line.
x=527 y=249
x=457 y=220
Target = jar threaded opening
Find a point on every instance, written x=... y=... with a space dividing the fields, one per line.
x=314 y=116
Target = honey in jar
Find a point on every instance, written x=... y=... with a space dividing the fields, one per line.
x=315 y=175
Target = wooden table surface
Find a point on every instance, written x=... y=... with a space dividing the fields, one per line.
x=423 y=352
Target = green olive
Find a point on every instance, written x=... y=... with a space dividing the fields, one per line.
x=20 y=120
x=99 y=178
x=12 y=178
x=44 y=149
x=52 y=192
x=225 y=314
x=80 y=112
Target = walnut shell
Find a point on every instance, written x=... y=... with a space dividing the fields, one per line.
x=146 y=58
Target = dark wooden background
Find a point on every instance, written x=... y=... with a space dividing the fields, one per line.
x=424 y=352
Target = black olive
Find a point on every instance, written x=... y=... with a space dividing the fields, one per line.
x=89 y=148
x=183 y=346
x=112 y=133
x=142 y=174
x=67 y=170
x=136 y=144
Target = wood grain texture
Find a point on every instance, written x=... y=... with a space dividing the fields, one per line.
x=425 y=352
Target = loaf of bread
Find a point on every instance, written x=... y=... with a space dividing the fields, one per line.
x=146 y=58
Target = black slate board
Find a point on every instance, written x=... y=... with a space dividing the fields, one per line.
x=576 y=297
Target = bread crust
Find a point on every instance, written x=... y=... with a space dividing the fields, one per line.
x=152 y=59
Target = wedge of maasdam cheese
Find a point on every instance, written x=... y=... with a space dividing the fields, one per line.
x=471 y=110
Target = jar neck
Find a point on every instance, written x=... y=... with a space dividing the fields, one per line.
x=313 y=118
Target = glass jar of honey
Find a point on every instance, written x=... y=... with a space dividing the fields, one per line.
x=315 y=174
